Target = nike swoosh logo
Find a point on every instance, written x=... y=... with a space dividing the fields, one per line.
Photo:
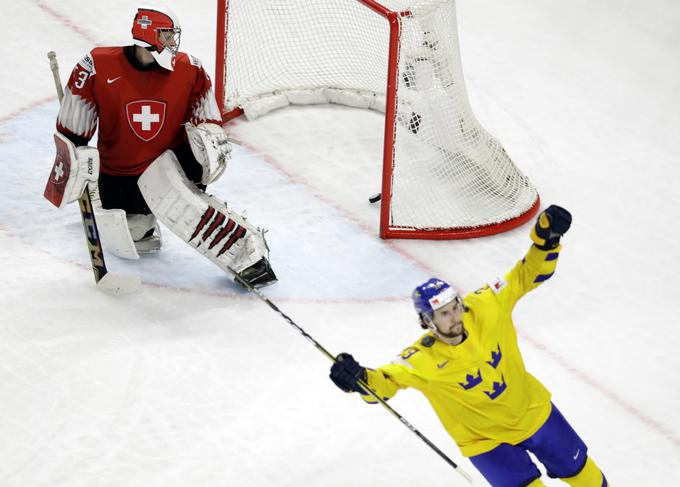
x=577 y=452
x=442 y=365
x=109 y=80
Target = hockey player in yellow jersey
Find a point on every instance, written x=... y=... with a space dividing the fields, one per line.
x=469 y=367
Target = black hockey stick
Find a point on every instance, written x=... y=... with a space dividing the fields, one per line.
x=106 y=281
x=363 y=384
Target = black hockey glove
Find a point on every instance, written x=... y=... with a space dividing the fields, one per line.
x=550 y=226
x=345 y=373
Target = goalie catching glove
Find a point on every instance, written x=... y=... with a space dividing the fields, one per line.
x=211 y=149
x=550 y=226
x=73 y=168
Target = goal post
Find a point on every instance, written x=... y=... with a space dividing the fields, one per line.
x=443 y=175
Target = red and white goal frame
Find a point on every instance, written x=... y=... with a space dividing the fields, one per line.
x=443 y=175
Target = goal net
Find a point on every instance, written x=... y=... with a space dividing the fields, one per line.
x=444 y=175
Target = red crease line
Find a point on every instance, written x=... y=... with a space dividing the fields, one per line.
x=34 y=104
x=604 y=390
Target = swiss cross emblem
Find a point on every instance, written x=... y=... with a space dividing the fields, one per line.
x=144 y=22
x=56 y=184
x=58 y=171
x=146 y=118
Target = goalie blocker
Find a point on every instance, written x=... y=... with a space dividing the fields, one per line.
x=205 y=222
x=73 y=168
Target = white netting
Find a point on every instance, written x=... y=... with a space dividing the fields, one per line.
x=447 y=171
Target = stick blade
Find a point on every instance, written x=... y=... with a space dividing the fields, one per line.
x=118 y=284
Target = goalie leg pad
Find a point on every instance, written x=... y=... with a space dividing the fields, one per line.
x=73 y=168
x=127 y=236
x=140 y=225
x=201 y=220
x=115 y=234
x=145 y=232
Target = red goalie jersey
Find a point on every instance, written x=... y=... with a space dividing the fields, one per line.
x=140 y=112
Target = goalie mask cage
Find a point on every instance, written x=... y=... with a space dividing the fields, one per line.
x=444 y=176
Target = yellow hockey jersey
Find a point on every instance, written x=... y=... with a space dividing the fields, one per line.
x=480 y=388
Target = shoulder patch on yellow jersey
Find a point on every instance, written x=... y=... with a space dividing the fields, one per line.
x=400 y=361
x=409 y=352
x=497 y=285
x=427 y=341
x=480 y=290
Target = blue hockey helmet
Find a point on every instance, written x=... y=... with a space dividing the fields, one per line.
x=431 y=296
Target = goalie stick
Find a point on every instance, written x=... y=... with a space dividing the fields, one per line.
x=106 y=281
x=363 y=384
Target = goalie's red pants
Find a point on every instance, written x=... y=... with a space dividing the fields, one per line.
x=121 y=192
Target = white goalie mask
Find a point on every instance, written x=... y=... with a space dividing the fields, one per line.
x=158 y=30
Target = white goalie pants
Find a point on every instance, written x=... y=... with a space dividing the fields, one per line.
x=201 y=220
